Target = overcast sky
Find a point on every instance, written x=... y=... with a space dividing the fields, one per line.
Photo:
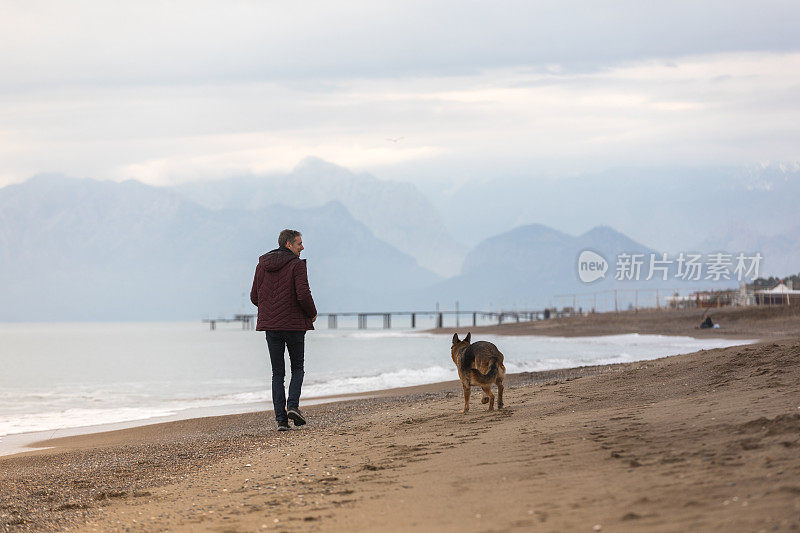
x=171 y=91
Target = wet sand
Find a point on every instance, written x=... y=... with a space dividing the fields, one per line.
x=708 y=441
x=735 y=323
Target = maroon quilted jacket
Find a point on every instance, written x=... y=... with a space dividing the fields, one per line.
x=281 y=292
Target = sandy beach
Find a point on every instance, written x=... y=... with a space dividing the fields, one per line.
x=734 y=323
x=708 y=441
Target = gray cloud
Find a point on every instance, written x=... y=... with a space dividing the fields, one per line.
x=118 y=43
x=169 y=91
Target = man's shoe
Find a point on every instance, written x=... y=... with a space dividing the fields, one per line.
x=296 y=416
x=283 y=426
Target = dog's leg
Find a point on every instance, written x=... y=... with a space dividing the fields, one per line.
x=466 y=398
x=485 y=398
x=499 y=393
x=488 y=392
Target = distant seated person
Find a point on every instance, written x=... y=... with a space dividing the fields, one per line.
x=707 y=323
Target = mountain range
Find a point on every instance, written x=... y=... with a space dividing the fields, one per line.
x=81 y=249
x=88 y=250
x=396 y=212
x=671 y=209
x=535 y=266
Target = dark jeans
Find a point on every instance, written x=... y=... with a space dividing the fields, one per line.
x=277 y=341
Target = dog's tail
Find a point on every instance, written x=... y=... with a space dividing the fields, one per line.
x=488 y=377
x=468 y=357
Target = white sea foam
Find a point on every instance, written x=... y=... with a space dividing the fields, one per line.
x=76 y=417
x=160 y=370
x=405 y=377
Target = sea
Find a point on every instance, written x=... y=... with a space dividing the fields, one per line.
x=66 y=378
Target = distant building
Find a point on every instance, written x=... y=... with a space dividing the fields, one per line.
x=721 y=298
x=779 y=295
x=676 y=301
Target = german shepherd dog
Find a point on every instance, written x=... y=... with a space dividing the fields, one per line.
x=481 y=364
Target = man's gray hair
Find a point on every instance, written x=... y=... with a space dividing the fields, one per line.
x=287 y=236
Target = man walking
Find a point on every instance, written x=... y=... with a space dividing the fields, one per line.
x=285 y=312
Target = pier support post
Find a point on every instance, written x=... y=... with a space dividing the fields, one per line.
x=387 y=321
x=439 y=320
x=332 y=321
x=413 y=320
x=474 y=319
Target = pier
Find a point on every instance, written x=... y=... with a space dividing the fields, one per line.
x=385 y=317
x=247 y=321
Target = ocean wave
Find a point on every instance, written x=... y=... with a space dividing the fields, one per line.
x=405 y=377
x=361 y=366
x=76 y=417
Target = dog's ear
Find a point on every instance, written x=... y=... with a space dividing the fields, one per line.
x=455 y=338
x=468 y=337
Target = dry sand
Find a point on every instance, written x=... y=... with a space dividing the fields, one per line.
x=708 y=441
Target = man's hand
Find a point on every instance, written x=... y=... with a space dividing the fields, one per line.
x=314 y=319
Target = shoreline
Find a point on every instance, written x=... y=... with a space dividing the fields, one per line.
x=22 y=443
x=84 y=439
x=701 y=441
x=762 y=323
x=660 y=445
x=118 y=432
x=27 y=442
x=36 y=441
